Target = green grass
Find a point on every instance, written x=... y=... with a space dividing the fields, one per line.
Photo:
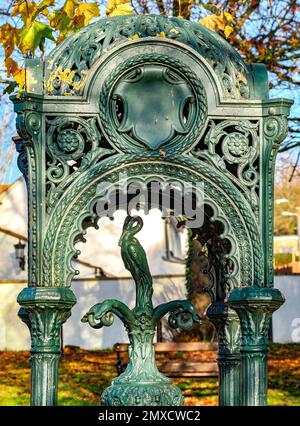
x=83 y=375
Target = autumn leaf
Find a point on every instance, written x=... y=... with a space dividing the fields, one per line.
x=135 y=37
x=13 y=70
x=59 y=20
x=43 y=7
x=69 y=8
x=118 y=7
x=87 y=11
x=9 y=37
x=211 y=22
x=26 y=9
x=33 y=36
x=29 y=10
x=11 y=66
x=220 y=22
x=72 y=16
x=65 y=76
x=228 y=31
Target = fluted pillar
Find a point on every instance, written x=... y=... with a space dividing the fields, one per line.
x=227 y=324
x=44 y=310
x=254 y=306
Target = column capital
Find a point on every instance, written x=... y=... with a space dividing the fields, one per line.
x=255 y=306
x=44 y=310
x=227 y=324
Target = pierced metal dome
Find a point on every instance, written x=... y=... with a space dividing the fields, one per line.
x=81 y=50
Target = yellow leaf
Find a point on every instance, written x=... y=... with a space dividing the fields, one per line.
x=9 y=37
x=43 y=7
x=211 y=22
x=220 y=22
x=13 y=70
x=64 y=75
x=69 y=8
x=30 y=10
x=19 y=78
x=26 y=9
x=11 y=66
x=61 y=37
x=228 y=30
x=87 y=11
x=119 y=7
x=228 y=17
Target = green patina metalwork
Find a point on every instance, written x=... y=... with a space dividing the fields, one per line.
x=141 y=383
x=162 y=100
x=100 y=38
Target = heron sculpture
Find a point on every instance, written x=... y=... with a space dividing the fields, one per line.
x=141 y=383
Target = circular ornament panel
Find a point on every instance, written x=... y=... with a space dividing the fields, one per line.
x=153 y=102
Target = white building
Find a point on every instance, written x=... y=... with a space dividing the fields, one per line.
x=101 y=252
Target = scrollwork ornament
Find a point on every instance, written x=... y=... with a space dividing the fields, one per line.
x=276 y=128
x=73 y=145
x=239 y=147
x=23 y=160
x=21 y=126
x=33 y=123
x=81 y=52
x=180 y=319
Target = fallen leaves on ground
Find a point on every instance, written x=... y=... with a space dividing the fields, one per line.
x=83 y=375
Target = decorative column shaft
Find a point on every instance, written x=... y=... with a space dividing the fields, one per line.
x=227 y=324
x=44 y=310
x=254 y=307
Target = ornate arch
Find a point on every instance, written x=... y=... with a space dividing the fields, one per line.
x=67 y=218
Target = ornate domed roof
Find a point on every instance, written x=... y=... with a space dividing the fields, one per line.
x=82 y=49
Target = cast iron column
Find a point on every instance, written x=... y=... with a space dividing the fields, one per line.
x=44 y=310
x=254 y=306
x=227 y=324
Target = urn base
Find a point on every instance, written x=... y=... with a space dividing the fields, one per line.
x=142 y=394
